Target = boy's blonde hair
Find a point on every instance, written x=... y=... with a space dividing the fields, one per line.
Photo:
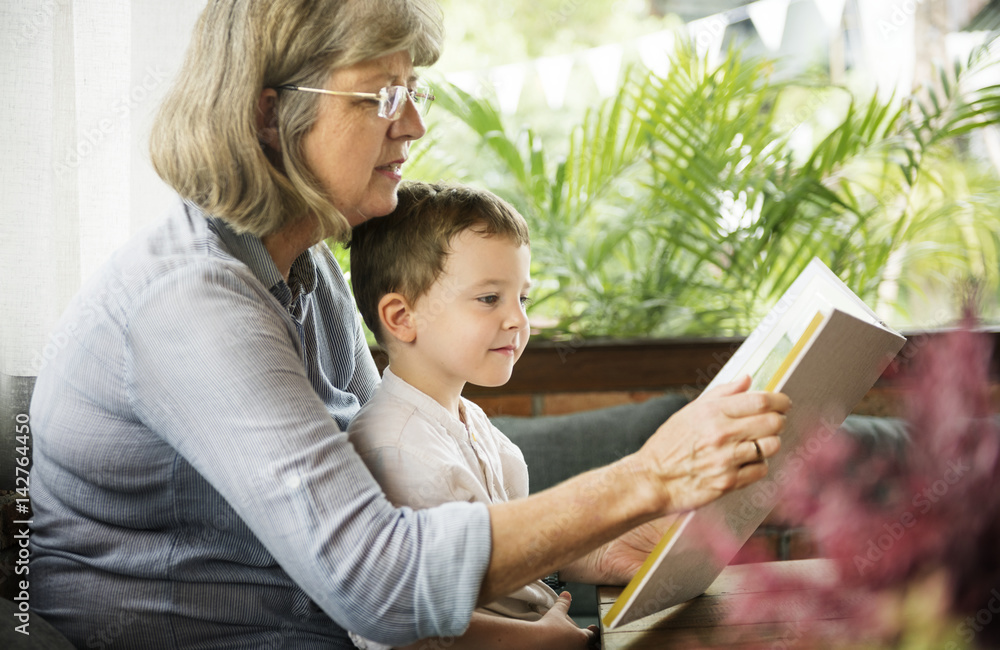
x=405 y=252
x=204 y=141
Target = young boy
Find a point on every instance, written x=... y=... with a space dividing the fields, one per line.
x=443 y=282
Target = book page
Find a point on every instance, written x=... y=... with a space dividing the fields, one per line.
x=816 y=289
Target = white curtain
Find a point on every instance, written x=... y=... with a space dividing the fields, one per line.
x=81 y=80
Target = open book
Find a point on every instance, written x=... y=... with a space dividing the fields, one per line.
x=824 y=348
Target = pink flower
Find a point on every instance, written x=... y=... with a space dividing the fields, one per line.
x=893 y=521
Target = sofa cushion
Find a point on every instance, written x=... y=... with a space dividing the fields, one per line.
x=558 y=447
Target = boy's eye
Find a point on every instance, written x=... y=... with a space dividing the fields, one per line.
x=489 y=300
x=525 y=301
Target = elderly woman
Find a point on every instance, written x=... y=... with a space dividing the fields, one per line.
x=192 y=482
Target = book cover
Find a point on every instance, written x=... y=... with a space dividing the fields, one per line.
x=824 y=348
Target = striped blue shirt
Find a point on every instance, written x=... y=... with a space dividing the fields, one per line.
x=192 y=483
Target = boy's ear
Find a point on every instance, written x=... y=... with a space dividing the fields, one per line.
x=397 y=317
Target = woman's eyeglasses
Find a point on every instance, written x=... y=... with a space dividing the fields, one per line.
x=391 y=99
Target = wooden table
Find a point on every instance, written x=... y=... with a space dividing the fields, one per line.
x=708 y=621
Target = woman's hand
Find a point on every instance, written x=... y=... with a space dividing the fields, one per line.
x=711 y=445
x=617 y=561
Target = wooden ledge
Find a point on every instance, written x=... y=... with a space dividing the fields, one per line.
x=649 y=364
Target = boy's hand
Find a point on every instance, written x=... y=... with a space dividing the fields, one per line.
x=556 y=630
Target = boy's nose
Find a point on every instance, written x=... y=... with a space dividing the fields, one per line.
x=516 y=317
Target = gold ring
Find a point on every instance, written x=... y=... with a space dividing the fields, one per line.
x=760 y=454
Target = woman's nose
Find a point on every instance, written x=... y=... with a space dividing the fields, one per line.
x=410 y=124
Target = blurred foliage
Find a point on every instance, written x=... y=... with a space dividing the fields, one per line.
x=686 y=204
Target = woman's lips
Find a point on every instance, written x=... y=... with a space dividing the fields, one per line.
x=393 y=170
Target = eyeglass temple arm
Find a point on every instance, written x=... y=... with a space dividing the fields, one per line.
x=339 y=93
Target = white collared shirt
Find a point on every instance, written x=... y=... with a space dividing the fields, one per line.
x=423 y=456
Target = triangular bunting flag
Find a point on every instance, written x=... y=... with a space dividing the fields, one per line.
x=707 y=34
x=554 y=73
x=604 y=63
x=768 y=18
x=831 y=11
x=654 y=51
x=889 y=46
x=507 y=82
x=467 y=81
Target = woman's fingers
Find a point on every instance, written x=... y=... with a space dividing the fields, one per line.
x=739 y=385
x=751 y=427
x=756 y=450
x=719 y=442
x=749 y=473
x=769 y=445
x=734 y=435
x=747 y=452
x=746 y=404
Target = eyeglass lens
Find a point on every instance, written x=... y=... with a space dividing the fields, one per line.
x=395 y=98
x=395 y=101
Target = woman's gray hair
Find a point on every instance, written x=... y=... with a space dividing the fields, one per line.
x=204 y=141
